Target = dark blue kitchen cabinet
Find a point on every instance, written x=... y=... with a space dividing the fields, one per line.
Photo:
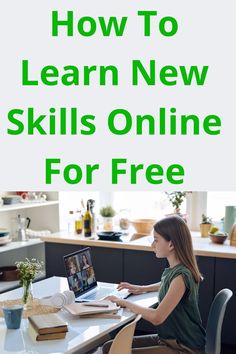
x=108 y=264
x=141 y=267
x=206 y=288
x=54 y=253
x=225 y=277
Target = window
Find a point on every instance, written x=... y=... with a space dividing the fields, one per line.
x=145 y=204
x=216 y=203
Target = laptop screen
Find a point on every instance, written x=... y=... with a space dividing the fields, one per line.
x=79 y=271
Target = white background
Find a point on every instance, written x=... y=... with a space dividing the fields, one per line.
x=206 y=36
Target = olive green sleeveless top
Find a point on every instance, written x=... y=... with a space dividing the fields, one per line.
x=184 y=323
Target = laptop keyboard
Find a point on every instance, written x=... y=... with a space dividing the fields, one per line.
x=101 y=293
x=122 y=294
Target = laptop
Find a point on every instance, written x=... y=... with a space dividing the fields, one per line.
x=82 y=281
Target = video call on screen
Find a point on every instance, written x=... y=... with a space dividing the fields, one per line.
x=80 y=271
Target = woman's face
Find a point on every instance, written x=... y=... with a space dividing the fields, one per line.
x=72 y=268
x=160 y=246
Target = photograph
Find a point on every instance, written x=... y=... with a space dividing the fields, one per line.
x=175 y=258
x=118 y=177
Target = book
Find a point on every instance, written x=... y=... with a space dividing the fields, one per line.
x=49 y=323
x=35 y=336
x=92 y=308
x=103 y=315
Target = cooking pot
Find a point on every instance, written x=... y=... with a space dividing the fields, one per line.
x=9 y=273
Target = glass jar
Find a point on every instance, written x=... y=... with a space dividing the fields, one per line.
x=124 y=219
x=78 y=222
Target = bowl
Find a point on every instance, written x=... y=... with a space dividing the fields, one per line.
x=4 y=232
x=220 y=239
x=143 y=226
x=109 y=235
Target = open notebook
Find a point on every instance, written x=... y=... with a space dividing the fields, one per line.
x=92 y=308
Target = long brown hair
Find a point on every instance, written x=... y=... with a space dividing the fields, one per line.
x=175 y=229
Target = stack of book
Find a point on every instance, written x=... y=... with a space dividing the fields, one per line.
x=46 y=327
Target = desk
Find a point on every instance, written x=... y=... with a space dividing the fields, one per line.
x=83 y=333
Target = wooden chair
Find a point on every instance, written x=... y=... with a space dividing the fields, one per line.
x=122 y=342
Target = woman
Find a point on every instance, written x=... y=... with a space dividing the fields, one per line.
x=85 y=262
x=72 y=266
x=76 y=282
x=177 y=318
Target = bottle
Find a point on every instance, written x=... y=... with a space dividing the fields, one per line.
x=71 y=222
x=78 y=222
x=93 y=225
x=87 y=222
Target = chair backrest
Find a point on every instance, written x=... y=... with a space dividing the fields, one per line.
x=214 y=322
x=122 y=342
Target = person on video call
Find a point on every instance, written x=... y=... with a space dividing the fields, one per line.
x=85 y=262
x=76 y=282
x=177 y=317
x=73 y=265
x=90 y=275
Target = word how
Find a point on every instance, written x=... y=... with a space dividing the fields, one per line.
x=87 y=26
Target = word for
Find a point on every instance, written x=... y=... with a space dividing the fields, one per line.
x=87 y=26
x=71 y=75
x=74 y=173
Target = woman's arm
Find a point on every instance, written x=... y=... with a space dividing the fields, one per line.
x=159 y=315
x=139 y=289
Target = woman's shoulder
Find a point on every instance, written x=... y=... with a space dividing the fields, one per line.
x=178 y=270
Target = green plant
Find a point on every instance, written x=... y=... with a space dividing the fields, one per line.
x=28 y=270
x=107 y=212
x=176 y=198
x=206 y=219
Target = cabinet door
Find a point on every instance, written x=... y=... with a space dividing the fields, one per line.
x=226 y=278
x=206 y=289
x=54 y=257
x=108 y=264
x=142 y=267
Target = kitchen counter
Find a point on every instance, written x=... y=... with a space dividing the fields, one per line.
x=13 y=245
x=202 y=246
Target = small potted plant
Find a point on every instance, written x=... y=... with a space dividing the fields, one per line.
x=108 y=214
x=176 y=199
x=205 y=225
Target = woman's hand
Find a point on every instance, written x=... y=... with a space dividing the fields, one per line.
x=116 y=300
x=134 y=289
